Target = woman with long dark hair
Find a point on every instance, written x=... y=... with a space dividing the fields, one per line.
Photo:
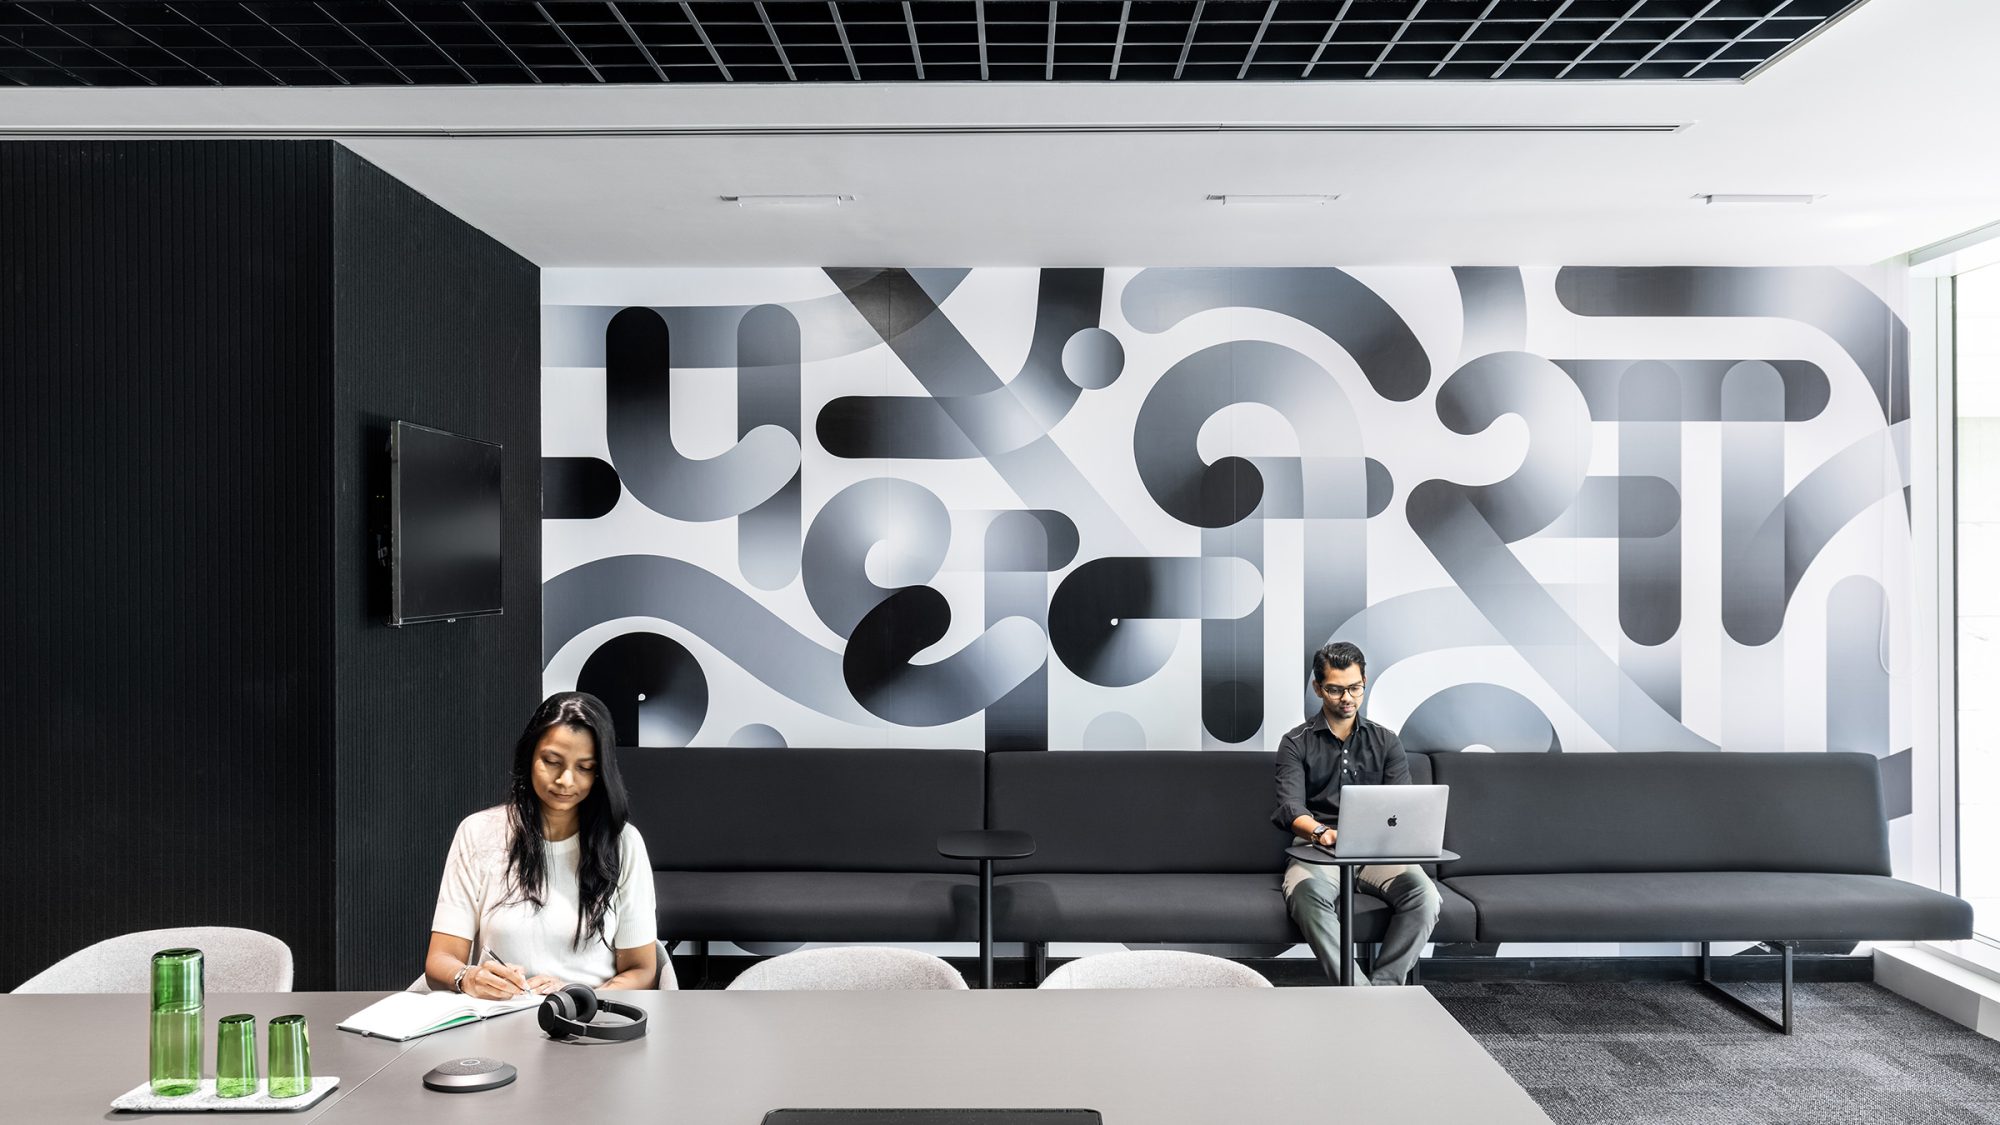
x=553 y=887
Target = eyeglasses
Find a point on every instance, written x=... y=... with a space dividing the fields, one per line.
x=1335 y=691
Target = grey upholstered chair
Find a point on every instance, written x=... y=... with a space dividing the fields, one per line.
x=667 y=978
x=1154 y=968
x=233 y=960
x=851 y=968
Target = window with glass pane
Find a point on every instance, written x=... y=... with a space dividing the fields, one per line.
x=1976 y=315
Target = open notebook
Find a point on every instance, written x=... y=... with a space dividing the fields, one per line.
x=407 y=1015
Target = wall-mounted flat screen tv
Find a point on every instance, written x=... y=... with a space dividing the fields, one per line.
x=444 y=525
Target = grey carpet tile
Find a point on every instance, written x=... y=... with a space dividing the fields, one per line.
x=1674 y=1054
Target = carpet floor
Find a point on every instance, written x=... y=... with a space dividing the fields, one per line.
x=1673 y=1054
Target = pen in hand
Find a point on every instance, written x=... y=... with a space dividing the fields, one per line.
x=494 y=955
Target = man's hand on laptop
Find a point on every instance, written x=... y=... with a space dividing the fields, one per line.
x=1325 y=837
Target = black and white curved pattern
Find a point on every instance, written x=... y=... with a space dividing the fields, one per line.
x=1563 y=510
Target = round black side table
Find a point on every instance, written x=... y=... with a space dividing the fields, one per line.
x=986 y=845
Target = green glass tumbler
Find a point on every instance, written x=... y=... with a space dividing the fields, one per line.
x=176 y=1039
x=290 y=1073
x=236 y=1056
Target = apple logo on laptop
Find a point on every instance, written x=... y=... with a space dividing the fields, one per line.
x=1392 y=821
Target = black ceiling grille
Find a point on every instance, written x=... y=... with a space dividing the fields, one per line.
x=502 y=42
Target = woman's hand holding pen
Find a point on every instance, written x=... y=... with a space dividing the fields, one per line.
x=494 y=979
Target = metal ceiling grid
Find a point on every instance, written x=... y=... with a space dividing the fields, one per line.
x=506 y=42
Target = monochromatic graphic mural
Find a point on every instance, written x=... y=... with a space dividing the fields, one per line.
x=1563 y=509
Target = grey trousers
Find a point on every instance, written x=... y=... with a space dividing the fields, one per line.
x=1312 y=895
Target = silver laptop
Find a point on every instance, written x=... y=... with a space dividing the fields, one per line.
x=1391 y=821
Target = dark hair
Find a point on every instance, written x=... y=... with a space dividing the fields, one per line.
x=601 y=817
x=1337 y=654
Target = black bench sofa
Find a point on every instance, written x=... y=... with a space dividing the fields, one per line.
x=1773 y=847
x=785 y=844
x=1177 y=847
x=1157 y=846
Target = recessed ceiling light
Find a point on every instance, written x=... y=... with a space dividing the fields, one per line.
x=1239 y=200
x=827 y=200
x=1742 y=197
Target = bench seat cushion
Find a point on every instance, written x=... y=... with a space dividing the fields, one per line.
x=1710 y=906
x=1530 y=814
x=1182 y=908
x=870 y=809
x=1212 y=810
x=880 y=906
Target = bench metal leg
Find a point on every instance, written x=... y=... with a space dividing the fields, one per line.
x=1038 y=957
x=701 y=964
x=1781 y=1023
x=986 y=923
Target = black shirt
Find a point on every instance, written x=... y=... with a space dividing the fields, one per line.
x=1313 y=765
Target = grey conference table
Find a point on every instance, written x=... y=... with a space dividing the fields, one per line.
x=1140 y=1057
x=63 y=1058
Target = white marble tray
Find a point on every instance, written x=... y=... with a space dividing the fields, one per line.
x=140 y=1099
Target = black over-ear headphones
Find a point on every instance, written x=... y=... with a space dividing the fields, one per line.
x=567 y=1013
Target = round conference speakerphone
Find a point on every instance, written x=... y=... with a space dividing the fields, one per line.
x=469 y=1075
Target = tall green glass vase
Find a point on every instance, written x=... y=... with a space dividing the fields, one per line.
x=176 y=1039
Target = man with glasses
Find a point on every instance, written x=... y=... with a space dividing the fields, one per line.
x=1315 y=759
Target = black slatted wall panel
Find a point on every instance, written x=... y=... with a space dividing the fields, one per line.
x=440 y=325
x=201 y=346
x=164 y=379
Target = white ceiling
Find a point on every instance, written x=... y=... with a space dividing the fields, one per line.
x=1887 y=114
